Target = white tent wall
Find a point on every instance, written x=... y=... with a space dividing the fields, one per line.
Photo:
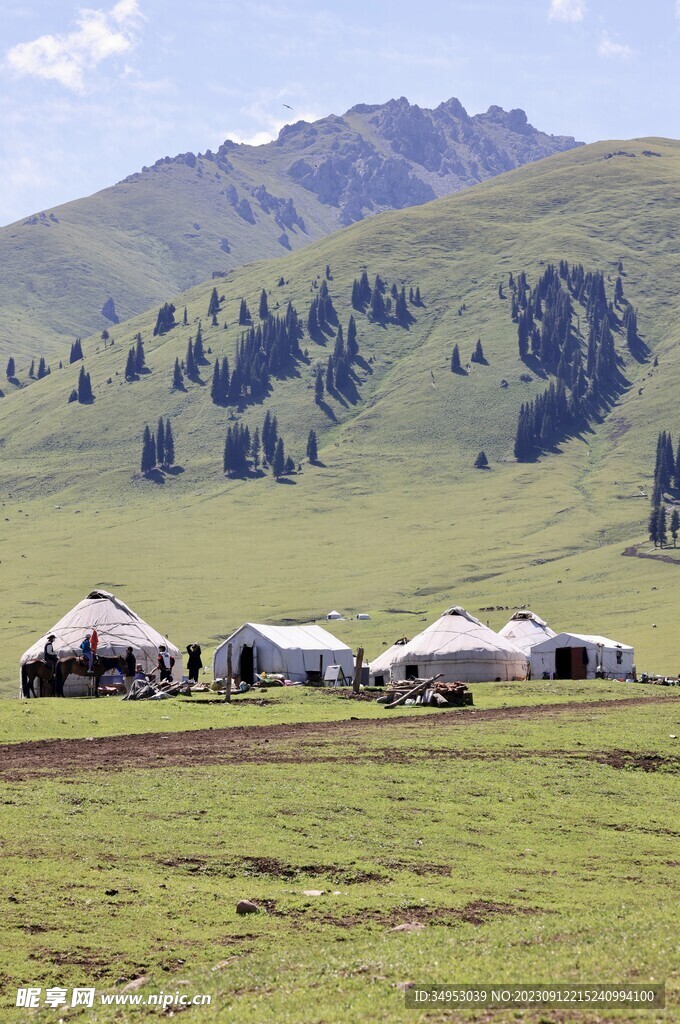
x=380 y=666
x=460 y=647
x=609 y=656
x=293 y=651
x=118 y=628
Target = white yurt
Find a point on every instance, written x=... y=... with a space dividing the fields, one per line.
x=582 y=656
x=118 y=628
x=333 y=615
x=379 y=668
x=462 y=648
x=525 y=629
x=296 y=652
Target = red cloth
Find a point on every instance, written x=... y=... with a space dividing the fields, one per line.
x=94 y=641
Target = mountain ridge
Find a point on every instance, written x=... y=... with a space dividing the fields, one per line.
x=169 y=226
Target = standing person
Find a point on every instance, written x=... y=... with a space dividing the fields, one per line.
x=50 y=658
x=130 y=666
x=164 y=665
x=94 y=644
x=86 y=648
x=194 y=662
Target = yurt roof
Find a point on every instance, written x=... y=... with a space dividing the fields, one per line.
x=457 y=631
x=525 y=629
x=580 y=640
x=303 y=638
x=385 y=659
x=117 y=628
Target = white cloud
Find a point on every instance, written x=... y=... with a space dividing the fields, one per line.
x=274 y=126
x=608 y=48
x=65 y=58
x=567 y=10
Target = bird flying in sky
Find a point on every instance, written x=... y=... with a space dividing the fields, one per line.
x=287 y=105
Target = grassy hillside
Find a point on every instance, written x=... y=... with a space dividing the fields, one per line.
x=171 y=225
x=397 y=522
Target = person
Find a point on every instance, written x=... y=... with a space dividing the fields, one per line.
x=94 y=644
x=86 y=648
x=50 y=656
x=165 y=663
x=130 y=667
x=194 y=662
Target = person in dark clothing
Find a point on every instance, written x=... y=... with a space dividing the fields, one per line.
x=49 y=654
x=194 y=663
x=130 y=667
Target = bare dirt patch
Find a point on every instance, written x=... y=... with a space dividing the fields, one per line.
x=635 y=761
x=300 y=743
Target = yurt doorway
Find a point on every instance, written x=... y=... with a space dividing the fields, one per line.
x=571 y=663
x=247 y=672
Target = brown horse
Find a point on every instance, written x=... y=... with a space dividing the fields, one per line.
x=100 y=665
x=42 y=672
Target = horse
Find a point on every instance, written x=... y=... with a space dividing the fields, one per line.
x=100 y=665
x=42 y=671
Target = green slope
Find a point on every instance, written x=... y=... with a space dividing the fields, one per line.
x=170 y=226
x=398 y=523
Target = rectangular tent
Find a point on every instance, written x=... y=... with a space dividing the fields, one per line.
x=296 y=652
x=581 y=656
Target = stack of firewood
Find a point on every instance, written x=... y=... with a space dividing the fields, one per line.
x=426 y=693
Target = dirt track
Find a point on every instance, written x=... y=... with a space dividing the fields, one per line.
x=298 y=743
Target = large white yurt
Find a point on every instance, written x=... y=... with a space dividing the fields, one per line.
x=296 y=652
x=379 y=669
x=525 y=629
x=582 y=656
x=462 y=648
x=118 y=628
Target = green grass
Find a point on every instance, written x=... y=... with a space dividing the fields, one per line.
x=398 y=523
x=524 y=858
x=75 y=719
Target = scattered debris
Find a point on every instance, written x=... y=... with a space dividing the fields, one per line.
x=426 y=693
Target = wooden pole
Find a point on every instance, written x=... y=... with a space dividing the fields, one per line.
x=420 y=687
x=357 y=670
x=227 y=696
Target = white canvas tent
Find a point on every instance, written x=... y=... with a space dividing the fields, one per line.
x=334 y=615
x=581 y=656
x=118 y=628
x=379 y=669
x=461 y=648
x=293 y=651
x=525 y=629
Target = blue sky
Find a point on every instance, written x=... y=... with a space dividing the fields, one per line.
x=91 y=94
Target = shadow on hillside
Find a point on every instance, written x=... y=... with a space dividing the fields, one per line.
x=285 y=480
x=318 y=464
x=173 y=470
x=639 y=351
x=155 y=476
x=360 y=361
x=325 y=408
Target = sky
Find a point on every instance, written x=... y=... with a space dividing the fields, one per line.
x=92 y=94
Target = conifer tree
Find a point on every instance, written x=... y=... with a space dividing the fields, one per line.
x=243 y=313
x=662 y=528
x=675 y=526
x=255 y=447
x=329 y=276
x=481 y=462
x=160 y=441
x=76 y=351
x=85 y=395
x=478 y=353
x=264 y=305
x=177 y=377
x=169 y=457
x=417 y=301
x=185 y=319
x=140 y=361
x=31 y=372
x=318 y=385
x=199 y=354
x=190 y=361
x=224 y=381
x=42 y=368
x=653 y=525
x=214 y=304
x=11 y=368
x=289 y=466
x=216 y=386
x=455 y=360
x=148 y=451
x=131 y=365
x=279 y=460
x=618 y=291
x=330 y=382
x=352 y=343
x=377 y=306
x=312 y=447
x=400 y=307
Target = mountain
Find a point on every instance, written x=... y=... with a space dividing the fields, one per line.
x=79 y=267
x=395 y=520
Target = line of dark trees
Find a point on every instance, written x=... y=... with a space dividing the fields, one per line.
x=378 y=305
x=666 y=479
x=42 y=371
x=588 y=377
